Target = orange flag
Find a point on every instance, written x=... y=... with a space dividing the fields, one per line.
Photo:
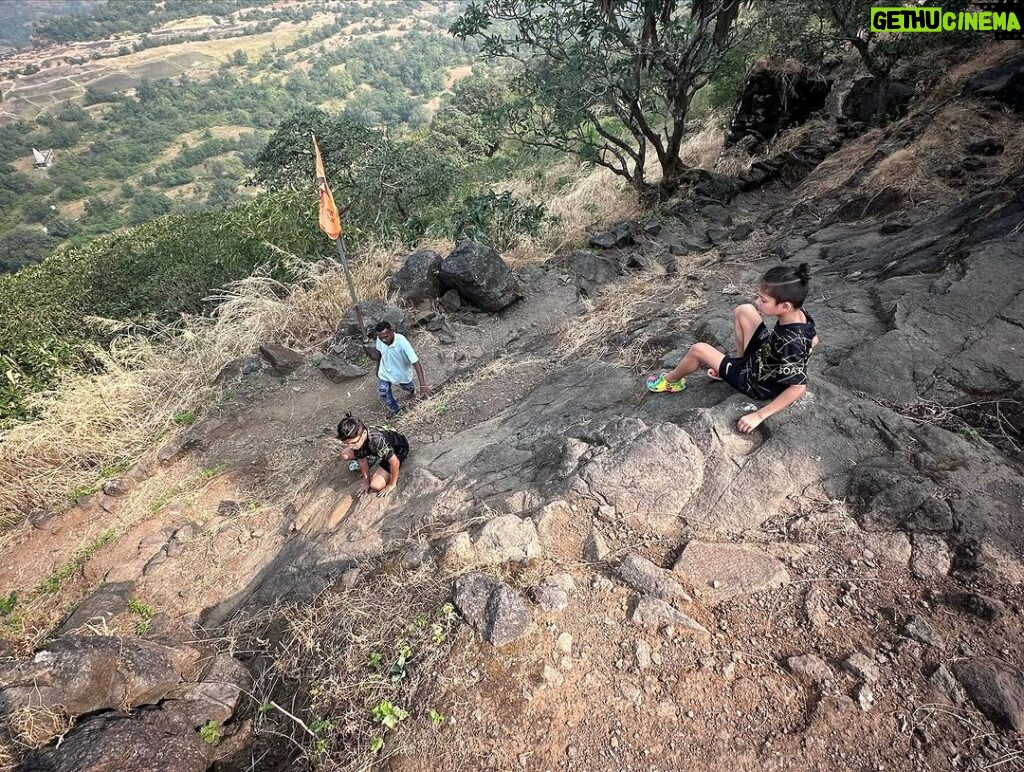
x=330 y=220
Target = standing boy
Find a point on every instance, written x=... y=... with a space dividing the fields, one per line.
x=396 y=362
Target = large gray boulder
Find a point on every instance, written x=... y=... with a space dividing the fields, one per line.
x=85 y=674
x=146 y=741
x=215 y=697
x=776 y=96
x=492 y=608
x=418 y=280
x=373 y=312
x=593 y=271
x=1004 y=82
x=480 y=276
x=861 y=102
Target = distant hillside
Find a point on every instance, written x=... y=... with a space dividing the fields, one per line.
x=166 y=117
x=18 y=16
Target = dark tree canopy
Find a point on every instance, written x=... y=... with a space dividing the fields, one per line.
x=611 y=80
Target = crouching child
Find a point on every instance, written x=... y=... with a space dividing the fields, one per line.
x=379 y=452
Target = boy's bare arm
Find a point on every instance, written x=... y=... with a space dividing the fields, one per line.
x=751 y=421
x=364 y=468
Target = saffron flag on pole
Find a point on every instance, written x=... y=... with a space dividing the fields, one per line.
x=330 y=220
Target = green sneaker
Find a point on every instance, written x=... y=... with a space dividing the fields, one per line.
x=658 y=384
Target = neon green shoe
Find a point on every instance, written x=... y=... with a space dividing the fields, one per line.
x=658 y=384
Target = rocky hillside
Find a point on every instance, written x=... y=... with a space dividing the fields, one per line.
x=572 y=573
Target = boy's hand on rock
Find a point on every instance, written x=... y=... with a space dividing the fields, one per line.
x=749 y=422
x=364 y=487
x=386 y=492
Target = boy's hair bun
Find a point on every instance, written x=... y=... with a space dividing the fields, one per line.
x=349 y=427
x=787 y=284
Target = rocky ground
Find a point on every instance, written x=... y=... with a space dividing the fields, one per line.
x=575 y=574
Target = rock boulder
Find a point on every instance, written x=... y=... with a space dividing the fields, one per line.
x=480 y=276
x=775 y=97
x=418 y=280
x=492 y=608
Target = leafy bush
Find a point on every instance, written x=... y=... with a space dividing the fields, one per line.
x=497 y=219
x=158 y=270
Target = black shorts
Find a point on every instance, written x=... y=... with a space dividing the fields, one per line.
x=735 y=372
x=402 y=451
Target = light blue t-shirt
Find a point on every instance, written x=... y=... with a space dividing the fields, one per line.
x=396 y=360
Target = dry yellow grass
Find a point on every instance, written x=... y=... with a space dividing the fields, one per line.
x=703 y=148
x=578 y=199
x=109 y=420
x=836 y=169
x=619 y=310
x=36 y=727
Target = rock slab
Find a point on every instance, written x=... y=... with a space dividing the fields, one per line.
x=996 y=689
x=719 y=571
x=651 y=612
x=492 y=608
x=647 y=578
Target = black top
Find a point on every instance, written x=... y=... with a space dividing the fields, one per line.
x=381 y=444
x=781 y=358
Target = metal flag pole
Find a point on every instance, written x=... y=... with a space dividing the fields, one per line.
x=351 y=288
x=330 y=224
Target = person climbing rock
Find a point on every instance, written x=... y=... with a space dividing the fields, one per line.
x=396 y=361
x=378 y=451
x=771 y=364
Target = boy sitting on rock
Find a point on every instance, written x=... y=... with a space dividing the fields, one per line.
x=772 y=364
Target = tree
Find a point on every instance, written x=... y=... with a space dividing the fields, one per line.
x=23 y=245
x=396 y=187
x=842 y=22
x=610 y=80
x=146 y=206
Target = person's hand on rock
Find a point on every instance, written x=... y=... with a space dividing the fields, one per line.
x=749 y=422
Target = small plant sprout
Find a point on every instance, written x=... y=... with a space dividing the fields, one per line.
x=435 y=718
x=319 y=728
x=404 y=651
x=437 y=634
x=375 y=661
x=210 y=732
x=185 y=418
x=389 y=715
x=7 y=604
x=145 y=611
x=376 y=744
